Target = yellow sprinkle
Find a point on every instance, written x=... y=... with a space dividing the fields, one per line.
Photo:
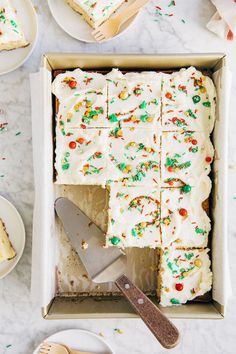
x=95 y=117
x=124 y=95
x=202 y=89
x=198 y=263
x=143 y=224
x=178 y=240
x=167 y=290
x=149 y=119
x=185 y=274
x=133 y=118
x=132 y=143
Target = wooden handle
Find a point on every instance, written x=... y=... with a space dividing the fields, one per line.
x=131 y=10
x=165 y=332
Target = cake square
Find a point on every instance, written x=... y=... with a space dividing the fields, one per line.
x=184 y=222
x=11 y=33
x=6 y=249
x=185 y=157
x=134 y=156
x=82 y=100
x=134 y=217
x=188 y=101
x=184 y=275
x=134 y=99
x=81 y=157
x=95 y=12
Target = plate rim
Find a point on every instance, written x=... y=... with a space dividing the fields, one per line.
x=19 y=254
x=76 y=329
x=33 y=44
x=133 y=18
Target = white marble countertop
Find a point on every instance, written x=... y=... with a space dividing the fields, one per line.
x=21 y=325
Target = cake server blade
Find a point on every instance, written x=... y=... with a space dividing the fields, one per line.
x=102 y=264
x=109 y=264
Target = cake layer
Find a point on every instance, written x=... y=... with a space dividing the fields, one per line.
x=188 y=99
x=184 y=275
x=185 y=157
x=11 y=33
x=6 y=249
x=134 y=156
x=184 y=222
x=134 y=99
x=82 y=100
x=134 y=217
x=81 y=157
x=95 y=12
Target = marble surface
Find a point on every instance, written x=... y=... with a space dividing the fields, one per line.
x=21 y=325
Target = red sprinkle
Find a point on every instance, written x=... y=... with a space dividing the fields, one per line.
x=179 y=287
x=168 y=95
x=194 y=142
x=72 y=84
x=208 y=159
x=80 y=140
x=183 y=212
x=72 y=145
x=171 y=169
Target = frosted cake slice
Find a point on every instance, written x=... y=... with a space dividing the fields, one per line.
x=134 y=156
x=11 y=33
x=184 y=222
x=188 y=101
x=82 y=100
x=185 y=157
x=6 y=249
x=183 y=276
x=95 y=12
x=81 y=157
x=134 y=99
x=134 y=217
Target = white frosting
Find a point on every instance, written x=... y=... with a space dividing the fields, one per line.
x=189 y=269
x=134 y=156
x=181 y=92
x=97 y=10
x=185 y=157
x=134 y=217
x=134 y=99
x=82 y=103
x=189 y=230
x=11 y=33
x=81 y=157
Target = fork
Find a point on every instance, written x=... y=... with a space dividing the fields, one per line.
x=54 y=348
x=111 y=27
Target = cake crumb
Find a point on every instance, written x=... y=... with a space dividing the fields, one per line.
x=84 y=245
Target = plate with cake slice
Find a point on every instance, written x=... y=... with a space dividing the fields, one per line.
x=18 y=33
x=79 y=18
x=12 y=237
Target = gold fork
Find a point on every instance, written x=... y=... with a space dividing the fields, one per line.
x=111 y=27
x=54 y=348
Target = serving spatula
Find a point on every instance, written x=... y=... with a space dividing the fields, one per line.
x=109 y=264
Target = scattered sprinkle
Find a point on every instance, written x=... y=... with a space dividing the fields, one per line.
x=117 y=330
x=101 y=334
x=19 y=133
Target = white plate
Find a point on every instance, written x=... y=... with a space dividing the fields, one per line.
x=16 y=231
x=12 y=59
x=73 y=23
x=79 y=339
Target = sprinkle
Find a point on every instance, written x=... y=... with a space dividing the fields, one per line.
x=19 y=133
x=117 y=330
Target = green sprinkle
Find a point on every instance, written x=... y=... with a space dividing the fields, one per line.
x=143 y=105
x=187 y=188
x=206 y=104
x=19 y=133
x=174 y=301
x=196 y=99
x=115 y=240
x=113 y=117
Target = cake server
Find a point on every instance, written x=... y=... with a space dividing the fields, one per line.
x=109 y=264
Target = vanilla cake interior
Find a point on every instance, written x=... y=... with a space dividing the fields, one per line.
x=7 y=251
x=11 y=32
x=146 y=138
